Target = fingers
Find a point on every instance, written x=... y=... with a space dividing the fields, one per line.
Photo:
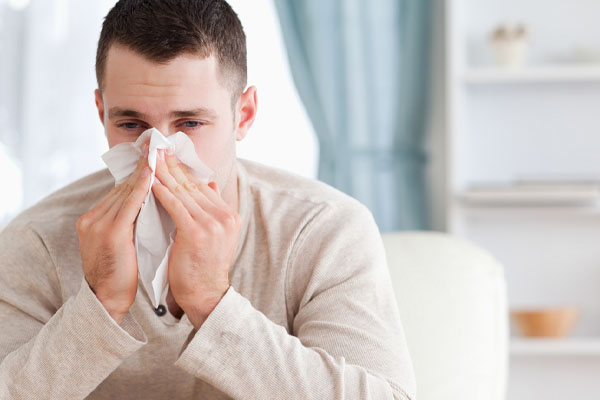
x=131 y=206
x=207 y=198
x=128 y=187
x=183 y=189
x=212 y=194
x=105 y=203
x=108 y=201
x=172 y=204
x=175 y=167
x=184 y=197
x=181 y=173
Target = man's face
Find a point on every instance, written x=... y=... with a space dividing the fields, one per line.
x=183 y=95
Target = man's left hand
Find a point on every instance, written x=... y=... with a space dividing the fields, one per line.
x=206 y=240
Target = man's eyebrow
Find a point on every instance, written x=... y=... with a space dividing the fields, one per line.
x=196 y=112
x=121 y=112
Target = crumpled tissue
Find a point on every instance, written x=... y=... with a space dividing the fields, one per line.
x=154 y=228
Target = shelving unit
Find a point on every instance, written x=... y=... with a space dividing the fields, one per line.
x=533 y=195
x=538 y=122
x=581 y=347
x=542 y=74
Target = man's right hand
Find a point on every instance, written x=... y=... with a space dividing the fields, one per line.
x=106 y=241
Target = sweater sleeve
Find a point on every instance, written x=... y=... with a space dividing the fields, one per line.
x=347 y=340
x=49 y=349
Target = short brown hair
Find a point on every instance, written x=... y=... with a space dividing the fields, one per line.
x=161 y=30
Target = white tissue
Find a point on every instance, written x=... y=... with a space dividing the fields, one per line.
x=154 y=229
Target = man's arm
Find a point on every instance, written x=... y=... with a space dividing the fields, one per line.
x=50 y=350
x=347 y=340
x=63 y=351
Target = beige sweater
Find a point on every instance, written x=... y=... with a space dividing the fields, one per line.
x=310 y=313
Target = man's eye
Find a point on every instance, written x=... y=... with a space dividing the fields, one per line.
x=192 y=124
x=130 y=125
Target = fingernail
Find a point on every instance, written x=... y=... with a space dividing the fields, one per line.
x=160 y=154
x=145 y=150
x=145 y=172
x=170 y=151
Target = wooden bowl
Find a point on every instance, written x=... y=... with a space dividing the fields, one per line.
x=555 y=322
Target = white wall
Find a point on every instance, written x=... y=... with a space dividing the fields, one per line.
x=282 y=135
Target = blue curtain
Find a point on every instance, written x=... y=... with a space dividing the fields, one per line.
x=361 y=68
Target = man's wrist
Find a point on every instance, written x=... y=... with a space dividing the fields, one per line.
x=118 y=317
x=197 y=318
x=112 y=311
x=198 y=312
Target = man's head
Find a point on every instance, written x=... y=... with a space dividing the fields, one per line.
x=161 y=30
x=176 y=65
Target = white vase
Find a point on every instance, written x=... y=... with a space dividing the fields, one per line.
x=510 y=53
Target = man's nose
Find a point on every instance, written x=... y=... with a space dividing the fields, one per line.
x=165 y=129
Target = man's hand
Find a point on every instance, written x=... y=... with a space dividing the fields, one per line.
x=106 y=242
x=207 y=236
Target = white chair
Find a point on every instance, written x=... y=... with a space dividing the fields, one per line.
x=452 y=300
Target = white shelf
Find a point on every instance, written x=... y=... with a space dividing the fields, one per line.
x=585 y=346
x=533 y=195
x=530 y=213
x=533 y=74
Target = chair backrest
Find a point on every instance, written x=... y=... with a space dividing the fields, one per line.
x=452 y=300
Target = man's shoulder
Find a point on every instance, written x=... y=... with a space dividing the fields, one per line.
x=68 y=202
x=284 y=185
x=44 y=237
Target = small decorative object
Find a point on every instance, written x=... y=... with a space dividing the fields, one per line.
x=555 y=322
x=510 y=45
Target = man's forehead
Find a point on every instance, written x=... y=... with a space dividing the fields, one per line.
x=186 y=86
x=127 y=67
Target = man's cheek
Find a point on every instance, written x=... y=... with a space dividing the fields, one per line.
x=115 y=139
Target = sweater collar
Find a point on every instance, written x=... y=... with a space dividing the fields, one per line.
x=244 y=199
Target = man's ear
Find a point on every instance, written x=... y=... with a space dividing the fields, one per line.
x=246 y=109
x=99 y=105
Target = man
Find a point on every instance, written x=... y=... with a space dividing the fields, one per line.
x=279 y=287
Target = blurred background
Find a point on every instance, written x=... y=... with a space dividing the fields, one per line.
x=477 y=118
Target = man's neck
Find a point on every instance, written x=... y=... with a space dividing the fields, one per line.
x=230 y=193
